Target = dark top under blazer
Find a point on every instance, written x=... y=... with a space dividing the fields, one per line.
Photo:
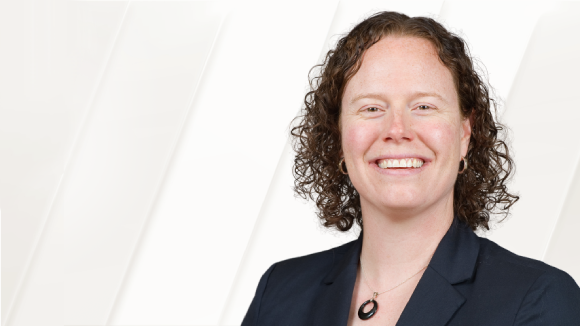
x=469 y=281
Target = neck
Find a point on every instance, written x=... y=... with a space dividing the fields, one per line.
x=397 y=244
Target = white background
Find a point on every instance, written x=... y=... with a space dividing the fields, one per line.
x=145 y=169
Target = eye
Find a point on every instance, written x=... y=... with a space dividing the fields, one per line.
x=423 y=107
x=371 y=112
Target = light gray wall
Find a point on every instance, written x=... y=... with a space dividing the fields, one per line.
x=145 y=170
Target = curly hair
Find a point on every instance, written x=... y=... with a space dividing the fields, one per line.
x=479 y=192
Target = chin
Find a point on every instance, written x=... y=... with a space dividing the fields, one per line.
x=401 y=201
x=400 y=206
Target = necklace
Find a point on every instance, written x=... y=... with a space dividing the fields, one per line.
x=366 y=315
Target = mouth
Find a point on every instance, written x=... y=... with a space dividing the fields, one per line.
x=400 y=164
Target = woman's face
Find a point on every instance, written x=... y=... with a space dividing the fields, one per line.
x=401 y=108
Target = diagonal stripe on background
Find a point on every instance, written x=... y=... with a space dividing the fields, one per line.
x=41 y=277
x=128 y=142
x=223 y=165
x=563 y=246
x=208 y=26
x=564 y=242
x=239 y=295
x=540 y=113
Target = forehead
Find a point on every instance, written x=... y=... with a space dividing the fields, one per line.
x=400 y=65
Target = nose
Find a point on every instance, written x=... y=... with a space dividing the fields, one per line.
x=397 y=125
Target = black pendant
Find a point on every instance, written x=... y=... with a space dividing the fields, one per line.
x=366 y=315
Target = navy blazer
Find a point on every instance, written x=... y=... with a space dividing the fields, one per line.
x=469 y=281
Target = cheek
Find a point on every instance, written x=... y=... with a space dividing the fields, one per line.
x=441 y=136
x=357 y=139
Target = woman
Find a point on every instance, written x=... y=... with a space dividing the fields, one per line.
x=398 y=136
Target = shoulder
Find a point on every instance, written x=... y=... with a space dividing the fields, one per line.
x=291 y=286
x=297 y=275
x=541 y=294
x=494 y=256
x=319 y=261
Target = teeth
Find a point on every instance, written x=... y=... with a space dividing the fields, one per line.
x=402 y=163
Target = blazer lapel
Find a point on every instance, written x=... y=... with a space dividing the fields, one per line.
x=332 y=306
x=435 y=300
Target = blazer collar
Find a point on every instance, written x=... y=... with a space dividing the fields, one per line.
x=345 y=259
x=455 y=256
x=434 y=300
x=332 y=305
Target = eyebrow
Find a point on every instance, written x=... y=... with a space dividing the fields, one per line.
x=427 y=94
x=365 y=95
x=413 y=95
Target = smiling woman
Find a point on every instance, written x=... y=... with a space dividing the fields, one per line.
x=447 y=60
x=412 y=114
x=398 y=136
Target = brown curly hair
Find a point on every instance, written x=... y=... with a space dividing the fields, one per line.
x=479 y=192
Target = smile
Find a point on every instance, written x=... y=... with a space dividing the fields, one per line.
x=400 y=163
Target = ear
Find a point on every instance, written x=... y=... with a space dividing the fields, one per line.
x=466 y=133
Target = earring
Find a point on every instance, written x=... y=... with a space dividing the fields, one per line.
x=340 y=166
x=464 y=164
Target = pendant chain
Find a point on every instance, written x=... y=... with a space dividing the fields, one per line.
x=376 y=294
